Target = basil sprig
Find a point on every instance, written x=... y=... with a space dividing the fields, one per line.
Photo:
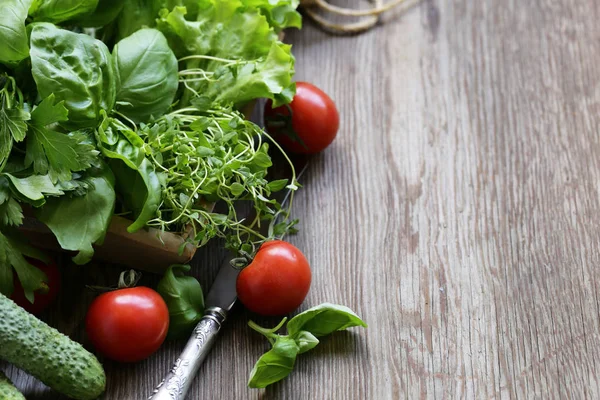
x=303 y=331
x=184 y=298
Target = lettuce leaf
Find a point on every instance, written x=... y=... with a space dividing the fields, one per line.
x=281 y=14
x=14 y=44
x=232 y=54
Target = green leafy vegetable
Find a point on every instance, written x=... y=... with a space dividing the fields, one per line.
x=277 y=185
x=140 y=191
x=57 y=11
x=77 y=69
x=54 y=152
x=303 y=330
x=281 y=14
x=136 y=14
x=14 y=44
x=146 y=75
x=117 y=141
x=13 y=248
x=184 y=299
x=82 y=130
x=206 y=157
x=11 y=256
x=32 y=189
x=275 y=364
x=13 y=117
x=306 y=341
x=78 y=222
x=232 y=56
x=324 y=319
x=11 y=213
x=106 y=12
x=136 y=179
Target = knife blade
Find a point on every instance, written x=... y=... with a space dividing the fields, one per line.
x=221 y=298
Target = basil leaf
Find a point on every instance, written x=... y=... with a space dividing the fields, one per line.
x=135 y=15
x=77 y=69
x=116 y=140
x=323 y=320
x=79 y=222
x=136 y=180
x=14 y=43
x=106 y=12
x=146 y=75
x=57 y=11
x=140 y=190
x=184 y=299
x=306 y=341
x=275 y=364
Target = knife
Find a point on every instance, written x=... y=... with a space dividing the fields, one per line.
x=221 y=298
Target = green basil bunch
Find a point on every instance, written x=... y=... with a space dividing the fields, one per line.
x=303 y=331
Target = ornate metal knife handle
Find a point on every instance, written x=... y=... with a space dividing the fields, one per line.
x=179 y=379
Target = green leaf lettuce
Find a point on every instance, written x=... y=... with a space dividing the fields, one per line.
x=232 y=54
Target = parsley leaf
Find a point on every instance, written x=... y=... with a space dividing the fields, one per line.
x=33 y=188
x=54 y=152
x=12 y=253
x=79 y=222
x=11 y=213
x=13 y=117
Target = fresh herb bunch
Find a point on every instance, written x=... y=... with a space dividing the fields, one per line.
x=210 y=156
x=198 y=158
x=97 y=114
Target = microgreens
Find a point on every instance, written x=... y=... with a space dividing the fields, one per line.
x=216 y=155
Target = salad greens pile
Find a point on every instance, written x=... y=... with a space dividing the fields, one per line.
x=132 y=107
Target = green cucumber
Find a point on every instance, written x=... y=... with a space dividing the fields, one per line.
x=7 y=390
x=47 y=354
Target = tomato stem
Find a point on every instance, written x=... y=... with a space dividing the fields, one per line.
x=129 y=279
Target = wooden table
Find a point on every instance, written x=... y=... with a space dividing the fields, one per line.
x=456 y=212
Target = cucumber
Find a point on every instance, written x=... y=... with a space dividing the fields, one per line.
x=50 y=356
x=7 y=389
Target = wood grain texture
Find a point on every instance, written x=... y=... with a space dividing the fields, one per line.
x=457 y=212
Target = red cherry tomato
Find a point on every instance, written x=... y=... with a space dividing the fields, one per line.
x=42 y=300
x=128 y=325
x=315 y=120
x=276 y=281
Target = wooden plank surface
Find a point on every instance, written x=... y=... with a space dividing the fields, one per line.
x=456 y=212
